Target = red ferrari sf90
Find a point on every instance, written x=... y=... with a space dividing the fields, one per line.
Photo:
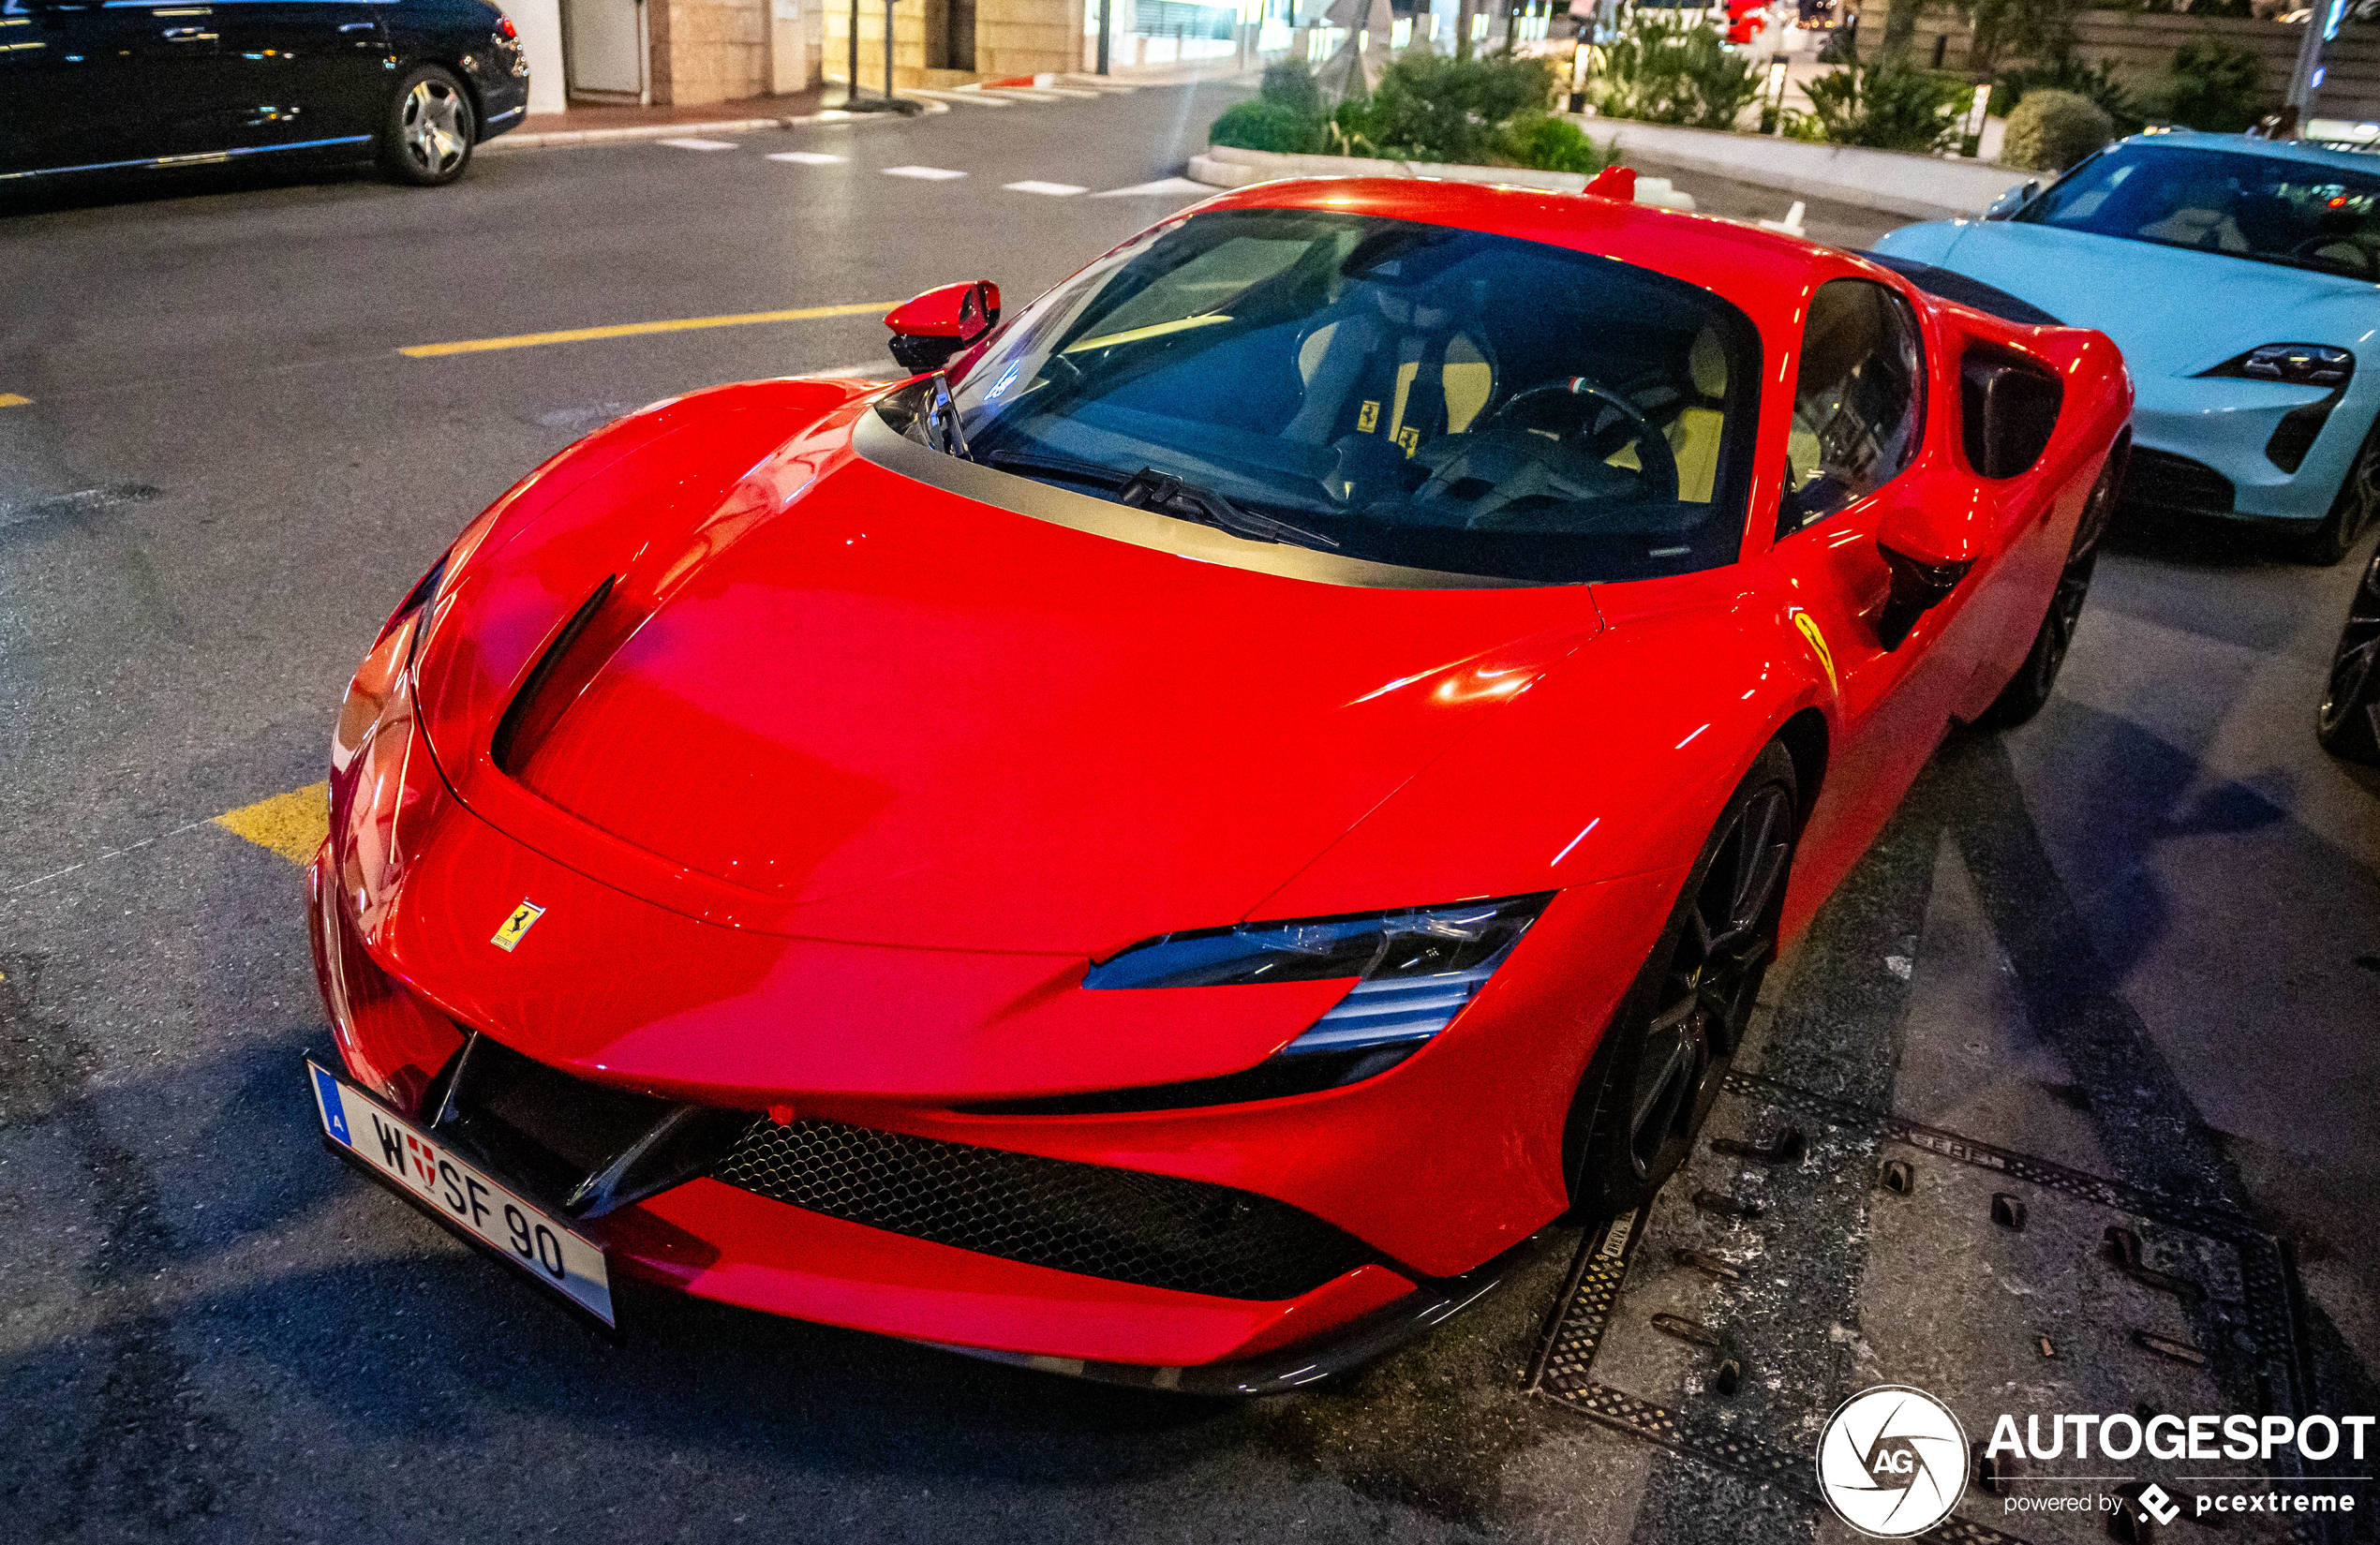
x=1169 y=844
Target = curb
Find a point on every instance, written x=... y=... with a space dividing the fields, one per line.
x=1225 y=166
x=564 y=138
x=1924 y=187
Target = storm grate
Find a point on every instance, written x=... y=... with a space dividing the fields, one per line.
x=1590 y=1302
x=1122 y=1225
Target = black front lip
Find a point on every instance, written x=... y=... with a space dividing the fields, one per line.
x=1306 y=1363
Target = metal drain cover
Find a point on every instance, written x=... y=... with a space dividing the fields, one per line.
x=1809 y=1250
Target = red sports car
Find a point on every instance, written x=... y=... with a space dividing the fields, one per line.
x=1168 y=846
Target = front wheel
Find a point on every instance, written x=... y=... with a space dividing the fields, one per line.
x=427 y=139
x=2029 y=690
x=2351 y=511
x=1676 y=1033
x=2348 y=725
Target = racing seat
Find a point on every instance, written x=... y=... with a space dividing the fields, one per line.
x=1384 y=377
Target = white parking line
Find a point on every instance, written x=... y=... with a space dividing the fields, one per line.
x=1055 y=190
x=808 y=157
x=929 y=173
x=690 y=143
x=1176 y=185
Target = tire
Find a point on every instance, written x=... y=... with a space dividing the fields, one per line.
x=2348 y=722
x=2351 y=510
x=2029 y=690
x=426 y=139
x=1668 y=1049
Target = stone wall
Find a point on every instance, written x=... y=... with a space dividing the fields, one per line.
x=707 y=50
x=2141 y=46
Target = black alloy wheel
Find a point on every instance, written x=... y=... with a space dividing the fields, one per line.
x=427 y=137
x=2029 y=690
x=2348 y=725
x=1669 y=1047
x=2350 y=512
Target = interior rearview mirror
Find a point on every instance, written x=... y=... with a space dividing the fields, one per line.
x=932 y=327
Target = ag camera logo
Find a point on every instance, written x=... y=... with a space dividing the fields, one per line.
x=1892 y=1462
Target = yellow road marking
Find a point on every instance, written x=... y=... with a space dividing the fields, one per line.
x=633 y=330
x=10 y=399
x=293 y=824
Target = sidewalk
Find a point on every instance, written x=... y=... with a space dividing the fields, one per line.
x=586 y=123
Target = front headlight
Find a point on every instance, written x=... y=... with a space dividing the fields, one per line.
x=1413 y=968
x=2291 y=364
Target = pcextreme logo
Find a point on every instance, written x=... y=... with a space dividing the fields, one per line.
x=1892 y=1462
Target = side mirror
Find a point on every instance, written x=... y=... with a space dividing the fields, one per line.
x=2013 y=200
x=2007 y=411
x=926 y=330
x=1928 y=549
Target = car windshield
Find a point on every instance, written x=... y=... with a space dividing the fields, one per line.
x=2272 y=209
x=1405 y=393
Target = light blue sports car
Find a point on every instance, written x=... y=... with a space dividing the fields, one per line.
x=2241 y=279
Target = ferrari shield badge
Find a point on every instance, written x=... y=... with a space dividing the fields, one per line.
x=517 y=923
x=1809 y=625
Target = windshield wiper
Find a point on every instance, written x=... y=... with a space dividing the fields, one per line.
x=1166 y=494
x=1150 y=489
x=1057 y=466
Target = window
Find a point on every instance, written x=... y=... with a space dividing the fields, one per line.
x=2289 y=210
x=1410 y=395
x=1856 y=400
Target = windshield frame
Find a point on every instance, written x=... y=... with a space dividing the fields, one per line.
x=1706 y=538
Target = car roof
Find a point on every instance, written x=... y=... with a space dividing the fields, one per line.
x=1763 y=273
x=2278 y=150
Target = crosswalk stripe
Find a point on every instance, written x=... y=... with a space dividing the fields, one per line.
x=927 y=173
x=690 y=142
x=808 y=157
x=1176 y=185
x=973 y=99
x=1055 y=190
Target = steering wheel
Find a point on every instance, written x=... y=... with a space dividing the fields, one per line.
x=2314 y=246
x=1656 y=463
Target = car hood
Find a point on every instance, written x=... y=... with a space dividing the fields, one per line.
x=836 y=702
x=2172 y=311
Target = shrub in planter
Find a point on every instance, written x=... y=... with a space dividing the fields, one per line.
x=1291 y=84
x=1555 y=144
x=2213 y=85
x=1260 y=125
x=1890 y=105
x=1432 y=109
x=2051 y=130
x=2096 y=81
x=1664 y=71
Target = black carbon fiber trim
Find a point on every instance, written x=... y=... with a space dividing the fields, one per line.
x=1122 y=1225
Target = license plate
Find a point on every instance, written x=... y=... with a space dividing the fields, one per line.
x=438 y=1179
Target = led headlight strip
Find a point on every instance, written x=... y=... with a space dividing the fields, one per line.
x=1413 y=968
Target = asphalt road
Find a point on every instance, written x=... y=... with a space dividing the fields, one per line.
x=2137 y=938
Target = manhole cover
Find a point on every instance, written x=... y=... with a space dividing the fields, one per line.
x=1809 y=1250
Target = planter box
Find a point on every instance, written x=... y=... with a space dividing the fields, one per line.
x=1224 y=166
x=1927 y=187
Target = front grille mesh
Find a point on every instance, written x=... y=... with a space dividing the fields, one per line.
x=1156 y=1230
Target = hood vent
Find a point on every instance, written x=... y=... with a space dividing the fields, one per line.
x=589 y=639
